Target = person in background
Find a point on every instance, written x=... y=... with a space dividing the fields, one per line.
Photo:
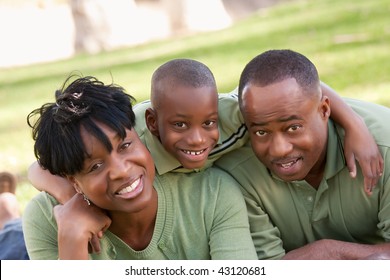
x=12 y=246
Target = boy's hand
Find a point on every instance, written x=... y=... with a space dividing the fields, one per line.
x=360 y=146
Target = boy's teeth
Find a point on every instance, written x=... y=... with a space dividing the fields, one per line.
x=193 y=153
x=130 y=188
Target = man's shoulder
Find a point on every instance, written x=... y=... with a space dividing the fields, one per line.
x=238 y=157
x=375 y=116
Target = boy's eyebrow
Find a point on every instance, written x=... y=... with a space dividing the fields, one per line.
x=182 y=115
x=280 y=120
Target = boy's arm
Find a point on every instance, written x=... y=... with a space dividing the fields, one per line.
x=59 y=187
x=359 y=143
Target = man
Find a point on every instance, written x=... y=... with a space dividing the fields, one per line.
x=301 y=201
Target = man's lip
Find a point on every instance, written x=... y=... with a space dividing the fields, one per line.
x=285 y=160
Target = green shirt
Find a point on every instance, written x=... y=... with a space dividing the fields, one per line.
x=286 y=215
x=232 y=134
x=200 y=216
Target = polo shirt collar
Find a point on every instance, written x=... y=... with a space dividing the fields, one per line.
x=335 y=159
x=163 y=160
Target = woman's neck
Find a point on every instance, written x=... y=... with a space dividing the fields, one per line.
x=135 y=229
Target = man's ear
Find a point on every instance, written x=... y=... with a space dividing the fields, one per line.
x=151 y=121
x=325 y=107
x=73 y=182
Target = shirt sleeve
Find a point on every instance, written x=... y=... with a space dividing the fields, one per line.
x=230 y=236
x=266 y=237
x=40 y=228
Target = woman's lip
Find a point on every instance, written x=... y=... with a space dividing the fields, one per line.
x=133 y=190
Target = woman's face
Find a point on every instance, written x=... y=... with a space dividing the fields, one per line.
x=120 y=180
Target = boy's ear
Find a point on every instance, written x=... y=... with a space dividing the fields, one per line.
x=151 y=121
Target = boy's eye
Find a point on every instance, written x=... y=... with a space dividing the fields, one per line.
x=180 y=124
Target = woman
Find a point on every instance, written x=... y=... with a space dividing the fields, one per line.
x=88 y=137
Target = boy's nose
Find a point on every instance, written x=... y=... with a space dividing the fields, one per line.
x=196 y=137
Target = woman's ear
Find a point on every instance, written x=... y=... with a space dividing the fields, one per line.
x=73 y=182
x=151 y=121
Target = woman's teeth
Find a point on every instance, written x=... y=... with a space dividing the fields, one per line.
x=130 y=188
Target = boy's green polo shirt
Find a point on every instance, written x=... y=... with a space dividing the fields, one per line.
x=232 y=134
x=288 y=215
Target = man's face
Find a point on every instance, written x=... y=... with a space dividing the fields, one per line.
x=187 y=122
x=288 y=129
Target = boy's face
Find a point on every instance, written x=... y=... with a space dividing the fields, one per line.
x=120 y=180
x=187 y=124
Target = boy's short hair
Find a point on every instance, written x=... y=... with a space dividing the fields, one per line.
x=58 y=143
x=277 y=65
x=182 y=72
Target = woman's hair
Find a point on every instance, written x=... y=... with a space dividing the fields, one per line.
x=81 y=104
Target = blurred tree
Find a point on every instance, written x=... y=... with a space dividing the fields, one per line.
x=196 y=15
x=91 y=29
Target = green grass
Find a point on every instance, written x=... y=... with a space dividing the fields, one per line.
x=348 y=40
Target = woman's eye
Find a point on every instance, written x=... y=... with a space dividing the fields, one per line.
x=126 y=145
x=209 y=123
x=95 y=167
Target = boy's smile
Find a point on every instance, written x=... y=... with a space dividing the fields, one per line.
x=187 y=122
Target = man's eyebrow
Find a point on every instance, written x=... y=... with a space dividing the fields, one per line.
x=283 y=119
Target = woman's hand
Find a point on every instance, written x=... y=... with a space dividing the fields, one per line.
x=79 y=224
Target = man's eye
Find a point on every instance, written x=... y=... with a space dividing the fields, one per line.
x=261 y=133
x=294 y=128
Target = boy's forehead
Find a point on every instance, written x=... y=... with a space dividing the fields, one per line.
x=190 y=101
